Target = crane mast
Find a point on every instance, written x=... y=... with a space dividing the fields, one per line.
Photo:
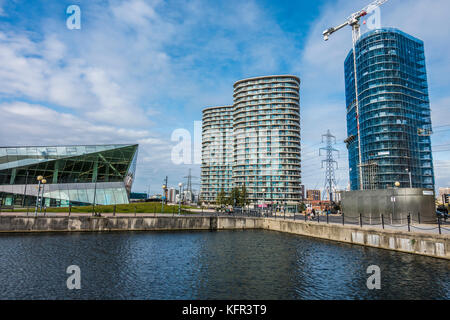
x=353 y=21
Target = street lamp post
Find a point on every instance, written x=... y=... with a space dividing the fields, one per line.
x=39 y=179
x=25 y=191
x=396 y=185
x=95 y=195
x=163 y=198
x=410 y=177
x=285 y=201
x=179 y=199
x=264 y=198
x=42 y=197
x=271 y=195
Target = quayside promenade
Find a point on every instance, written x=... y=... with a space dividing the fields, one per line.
x=420 y=239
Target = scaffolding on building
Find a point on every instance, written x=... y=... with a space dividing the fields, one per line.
x=370 y=175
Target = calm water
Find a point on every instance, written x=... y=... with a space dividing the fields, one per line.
x=210 y=265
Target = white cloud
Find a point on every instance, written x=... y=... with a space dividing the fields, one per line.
x=26 y=123
x=140 y=65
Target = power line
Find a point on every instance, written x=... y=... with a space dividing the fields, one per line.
x=441 y=126
x=441 y=145
x=441 y=151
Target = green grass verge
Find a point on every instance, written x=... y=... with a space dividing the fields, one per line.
x=144 y=207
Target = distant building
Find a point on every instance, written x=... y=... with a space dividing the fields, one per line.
x=394 y=112
x=313 y=195
x=172 y=195
x=135 y=196
x=337 y=196
x=444 y=195
x=302 y=192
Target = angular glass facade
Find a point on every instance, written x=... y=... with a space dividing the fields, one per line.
x=394 y=112
x=75 y=175
x=217 y=152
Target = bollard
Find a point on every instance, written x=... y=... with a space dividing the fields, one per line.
x=418 y=216
x=409 y=222
x=114 y=211
x=327 y=217
x=360 y=220
x=135 y=211
x=343 y=220
x=439 y=225
x=382 y=220
x=28 y=209
x=318 y=218
x=70 y=209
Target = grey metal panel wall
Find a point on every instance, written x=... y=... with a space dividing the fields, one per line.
x=374 y=203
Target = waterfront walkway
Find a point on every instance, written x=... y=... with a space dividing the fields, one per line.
x=414 y=227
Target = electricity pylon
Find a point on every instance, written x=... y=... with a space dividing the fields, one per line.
x=330 y=163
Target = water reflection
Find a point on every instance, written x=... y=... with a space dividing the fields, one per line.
x=210 y=265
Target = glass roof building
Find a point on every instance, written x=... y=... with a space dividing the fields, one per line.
x=394 y=112
x=75 y=175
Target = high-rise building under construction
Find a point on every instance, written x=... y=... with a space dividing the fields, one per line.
x=394 y=112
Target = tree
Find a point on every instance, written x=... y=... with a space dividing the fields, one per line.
x=235 y=196
x=221 y=198
x=244 y=200
x=301 y=207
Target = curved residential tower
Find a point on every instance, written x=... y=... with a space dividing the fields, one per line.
x=217 y=152
x=394 y=112
x=266 y=132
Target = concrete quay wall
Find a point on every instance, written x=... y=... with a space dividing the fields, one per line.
x=417 y=243
x=86 y=223
x=437 y=246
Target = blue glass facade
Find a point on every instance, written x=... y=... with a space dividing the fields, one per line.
x=394 y=112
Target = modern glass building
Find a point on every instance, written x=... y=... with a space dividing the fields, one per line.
x=266 y=133
x=217 y=152
x=394 y=112
x=75 y=175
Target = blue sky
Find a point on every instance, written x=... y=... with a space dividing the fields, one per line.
x=137 y=70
